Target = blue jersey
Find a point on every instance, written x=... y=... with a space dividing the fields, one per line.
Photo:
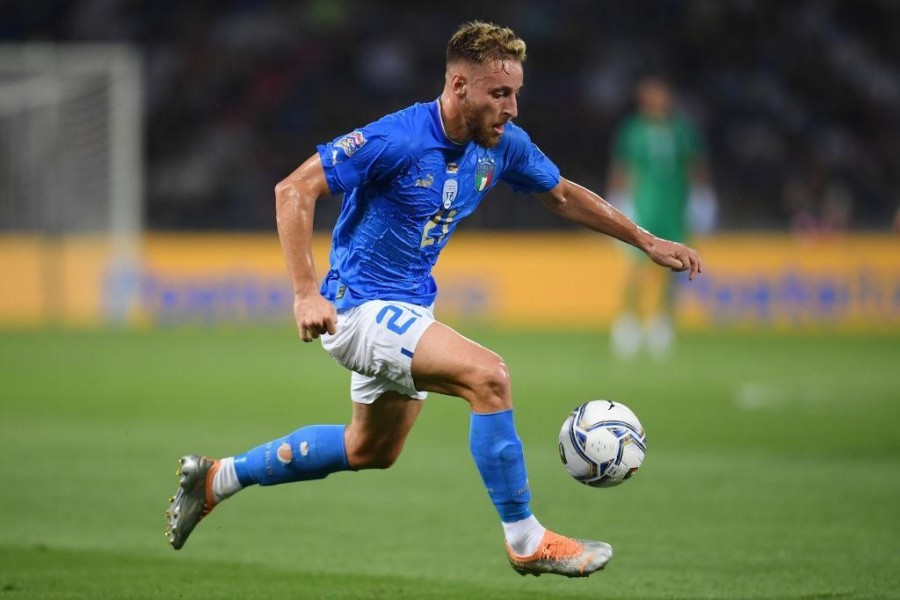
x=406 y=187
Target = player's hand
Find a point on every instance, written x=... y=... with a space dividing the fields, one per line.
x=677 y=257
x=314 y=316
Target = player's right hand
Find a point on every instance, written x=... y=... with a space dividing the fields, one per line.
x=677 y=257
x=314 y=316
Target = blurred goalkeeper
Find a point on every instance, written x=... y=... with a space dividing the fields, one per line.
x=408 y=179
x=659 y=173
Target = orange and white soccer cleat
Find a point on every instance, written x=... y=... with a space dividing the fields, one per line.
x=194 y=499
x=561 y=555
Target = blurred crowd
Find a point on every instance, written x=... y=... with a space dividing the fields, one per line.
x=799 y=101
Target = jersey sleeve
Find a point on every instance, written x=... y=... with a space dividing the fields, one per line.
x=372 y=153
x=528 y=169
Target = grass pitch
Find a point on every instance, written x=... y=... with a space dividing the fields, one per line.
x=773 y=471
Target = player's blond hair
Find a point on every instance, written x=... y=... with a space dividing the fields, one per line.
x=479 y=42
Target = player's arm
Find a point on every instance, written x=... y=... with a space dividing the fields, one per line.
x=580 y=205
x=295 y=205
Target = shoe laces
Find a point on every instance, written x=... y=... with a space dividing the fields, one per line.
x=558 y=547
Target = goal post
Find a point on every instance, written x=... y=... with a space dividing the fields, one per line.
x=71 y=139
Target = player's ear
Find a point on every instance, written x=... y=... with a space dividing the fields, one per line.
x=458 y=84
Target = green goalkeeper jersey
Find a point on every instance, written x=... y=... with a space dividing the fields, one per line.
x=658 y=156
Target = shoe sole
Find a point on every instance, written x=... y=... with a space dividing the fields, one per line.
x=523 y=572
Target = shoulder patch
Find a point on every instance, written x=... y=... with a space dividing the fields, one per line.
x=351 y=142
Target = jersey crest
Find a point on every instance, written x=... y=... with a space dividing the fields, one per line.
x=484 y=173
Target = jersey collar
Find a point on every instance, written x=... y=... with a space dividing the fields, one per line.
x=440 y=120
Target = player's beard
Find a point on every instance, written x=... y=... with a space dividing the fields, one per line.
x=481 y=130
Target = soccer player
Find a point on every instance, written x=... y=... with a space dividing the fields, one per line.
x=657 y=163
x=408 y=179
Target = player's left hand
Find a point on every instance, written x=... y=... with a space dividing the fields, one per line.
x=677 y=257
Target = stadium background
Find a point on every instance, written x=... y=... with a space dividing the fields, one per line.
x=798 y=104
x=772 y=428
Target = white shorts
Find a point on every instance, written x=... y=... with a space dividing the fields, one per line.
x=376 y=341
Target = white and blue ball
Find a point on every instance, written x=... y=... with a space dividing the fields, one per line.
x=602 y=443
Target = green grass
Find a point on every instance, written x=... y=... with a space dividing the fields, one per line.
x=773 y=471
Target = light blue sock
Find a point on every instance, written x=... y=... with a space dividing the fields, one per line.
x=311 y=452
x=497 y=451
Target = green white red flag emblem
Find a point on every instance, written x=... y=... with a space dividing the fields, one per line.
x=484 y=173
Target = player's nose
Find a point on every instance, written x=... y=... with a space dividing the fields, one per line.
x=512 y=107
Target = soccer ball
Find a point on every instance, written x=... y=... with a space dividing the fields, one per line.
x=602 y=443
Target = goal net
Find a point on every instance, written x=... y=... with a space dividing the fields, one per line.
x=70 y=159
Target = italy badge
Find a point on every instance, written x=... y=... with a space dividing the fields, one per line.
x=484 y=173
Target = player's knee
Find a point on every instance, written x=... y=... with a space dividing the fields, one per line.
x=491 y=386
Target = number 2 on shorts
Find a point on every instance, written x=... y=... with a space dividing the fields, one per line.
x=396 y=313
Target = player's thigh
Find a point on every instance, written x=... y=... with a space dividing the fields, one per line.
x=449 y=363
